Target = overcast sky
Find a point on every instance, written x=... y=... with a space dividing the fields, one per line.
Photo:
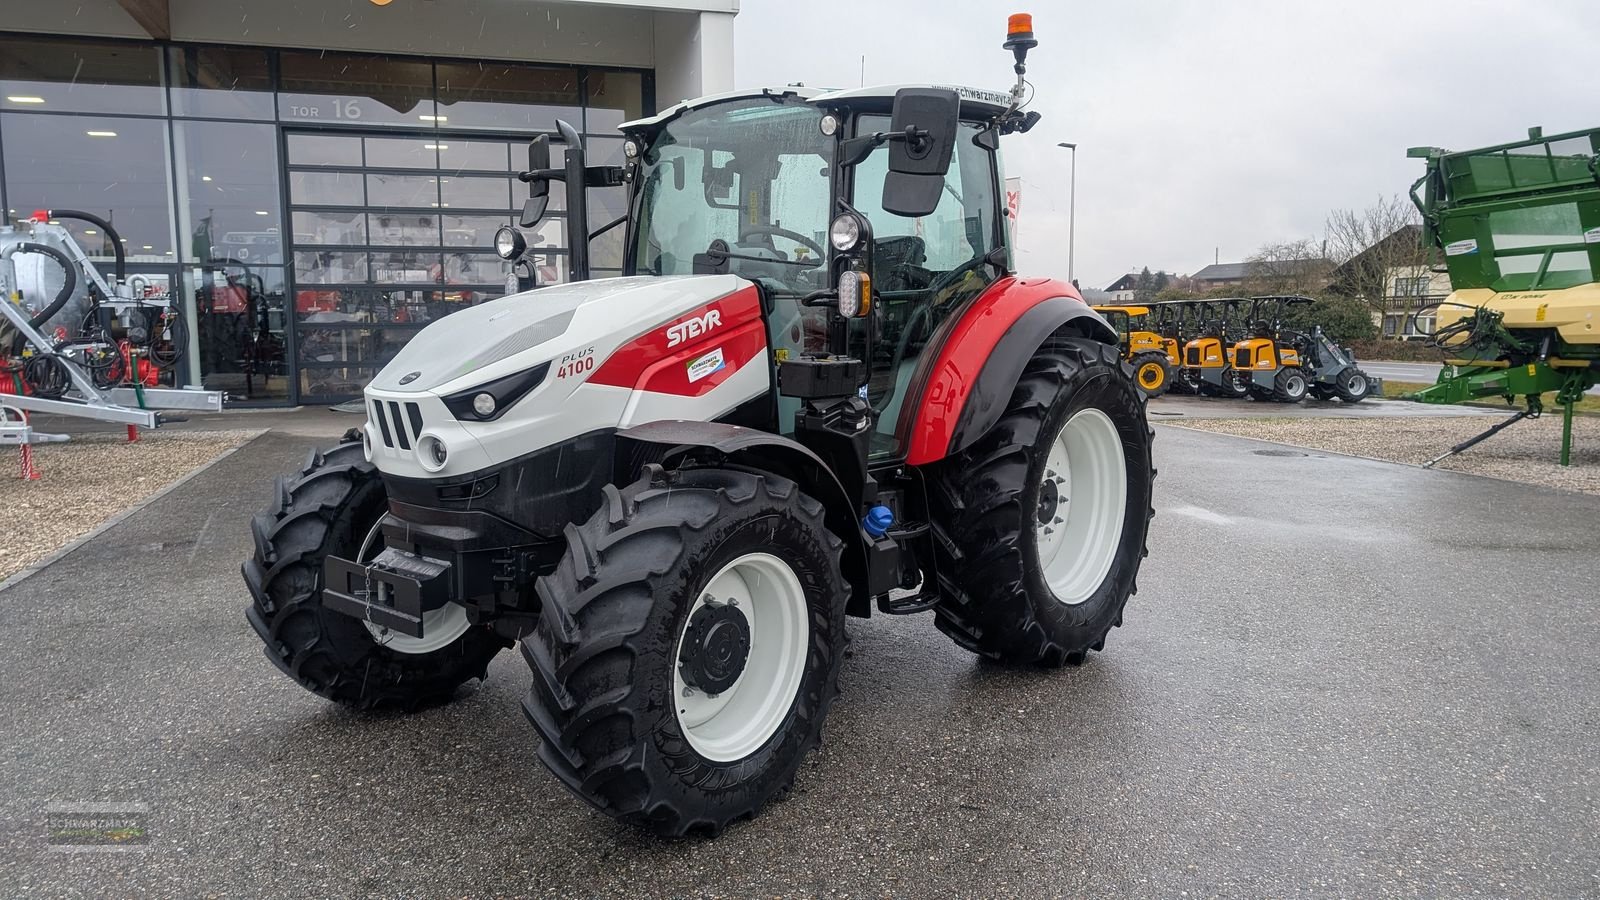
x=1208 y=127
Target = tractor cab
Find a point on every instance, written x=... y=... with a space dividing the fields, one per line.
x=865 y=218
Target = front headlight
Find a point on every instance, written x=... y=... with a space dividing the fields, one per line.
x=488 y=402
x=508 y=243
x=845 y=232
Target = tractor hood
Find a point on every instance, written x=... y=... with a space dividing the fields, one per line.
x=534 y=326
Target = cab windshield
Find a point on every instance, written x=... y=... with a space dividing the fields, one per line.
x=753 y=173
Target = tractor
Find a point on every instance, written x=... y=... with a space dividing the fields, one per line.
x=818 y=391
x=1153 y=357
x=1207 y=364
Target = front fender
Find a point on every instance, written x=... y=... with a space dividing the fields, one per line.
x=971 y=378
x=668 y=441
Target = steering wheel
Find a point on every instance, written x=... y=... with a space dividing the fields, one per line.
x=795 y=236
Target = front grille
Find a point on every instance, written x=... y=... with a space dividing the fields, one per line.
x=395 y=427
x=1193 y=356
x=1241 y=358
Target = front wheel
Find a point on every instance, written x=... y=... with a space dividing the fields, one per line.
x=1041 y=525
x=1290 y=386
x=1153 y=373
x=333 y=508
x=688 y=648
x=1352 y=385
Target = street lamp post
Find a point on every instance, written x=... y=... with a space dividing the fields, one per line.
x=1072 y=211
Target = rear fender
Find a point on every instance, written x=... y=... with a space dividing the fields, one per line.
x=669 y=442
x=970 y=379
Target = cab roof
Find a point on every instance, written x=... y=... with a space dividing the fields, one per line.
x=975 y=102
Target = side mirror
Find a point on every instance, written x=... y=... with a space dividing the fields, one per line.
x=533 y=209
x=927 y=118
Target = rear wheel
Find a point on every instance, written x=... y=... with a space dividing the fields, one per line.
x=1153 y=373
x=1234 y=384
x=1041 y=525
x=688 y=648
x=1290 y=386
x=1352 y=385
x=1189 y=381
x=332 y=508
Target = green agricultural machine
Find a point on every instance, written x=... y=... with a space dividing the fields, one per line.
x=1519 y=225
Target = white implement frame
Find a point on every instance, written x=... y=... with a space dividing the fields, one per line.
x=84 y=400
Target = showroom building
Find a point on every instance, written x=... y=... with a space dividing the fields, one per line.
x=313 y=181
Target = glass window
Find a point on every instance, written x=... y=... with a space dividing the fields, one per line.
x=220 y=82
x=456 y=155
x=319 y=88
x=405 y=267
x=402 y=190
x=119 y=169
x=329 y=267
x=495 y=95
x=477 y=192
x=412 y=229
x=316 y=227
x=239 y=321
x=228 y=193
x=326 y=189
x=323 y=150
x=80 y=76
x=960 y=229
x=710 y=175
x=613 y=98
x=475 y=232
x=403 y=153
x=388 y=304
x=331 y=383
x=475 y=268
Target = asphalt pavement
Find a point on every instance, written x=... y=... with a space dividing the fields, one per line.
x=1340 y=677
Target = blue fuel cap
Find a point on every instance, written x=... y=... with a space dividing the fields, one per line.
x=877 y=521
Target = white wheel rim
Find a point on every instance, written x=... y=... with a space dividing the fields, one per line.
x=1297 y=385
x=440 y=627
x=738 y=721
x=1358 y=384
x=1078 y=542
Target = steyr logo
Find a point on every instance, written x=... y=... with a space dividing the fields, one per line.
x=693 y=328
x=410 y=377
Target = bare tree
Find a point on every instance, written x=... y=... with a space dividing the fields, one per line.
x=1371 y=247
x=1287 y=267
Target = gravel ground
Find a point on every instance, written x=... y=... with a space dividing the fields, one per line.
x=1525 y=452
x=90 y=479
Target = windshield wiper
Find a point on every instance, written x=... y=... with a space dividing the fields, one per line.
x=718 y=252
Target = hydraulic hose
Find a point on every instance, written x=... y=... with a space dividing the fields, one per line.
x=111 y=234
x=68 y=285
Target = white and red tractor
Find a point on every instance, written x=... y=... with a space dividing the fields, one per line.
x=819 y=391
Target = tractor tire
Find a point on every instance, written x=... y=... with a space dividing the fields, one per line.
x=330 y=509
x=1153 y=373
x=645 y=712
x=1290 y=386
x=1234 y=386
x=1188 y=381
x=1023 y=579
x=1352 y=385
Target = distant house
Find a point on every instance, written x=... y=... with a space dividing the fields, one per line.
x=1220 y=276
x=1409 y=283
x=1123 y=290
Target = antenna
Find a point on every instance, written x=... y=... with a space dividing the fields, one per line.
x=863 y=70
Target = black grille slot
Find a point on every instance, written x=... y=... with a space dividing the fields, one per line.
x=399 y=426
x=1194 y=356
x=1241 y=359
x=415 y=412
x=383 y=424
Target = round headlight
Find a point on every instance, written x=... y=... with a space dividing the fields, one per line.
x=508 y=242
x=830 y=124
x=432 y=453
x=483 y=404
x=631 y=149
x=845 y=233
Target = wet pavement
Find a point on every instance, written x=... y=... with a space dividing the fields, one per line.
x=1340 y=677
x=1173 y=406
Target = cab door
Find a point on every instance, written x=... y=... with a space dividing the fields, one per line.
x=924 y=269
